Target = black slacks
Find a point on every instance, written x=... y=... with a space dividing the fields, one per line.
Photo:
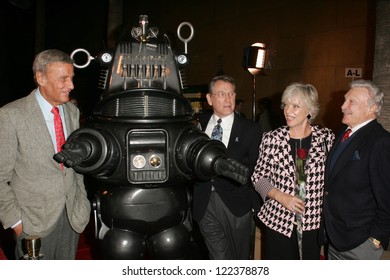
x=277 y=246
x=227 y=237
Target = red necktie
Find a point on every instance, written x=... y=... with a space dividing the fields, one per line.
x=60 y=137
x=346 y=135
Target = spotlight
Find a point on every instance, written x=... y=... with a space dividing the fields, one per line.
x=254 y=62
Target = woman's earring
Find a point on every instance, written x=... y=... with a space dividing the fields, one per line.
x=308 y=116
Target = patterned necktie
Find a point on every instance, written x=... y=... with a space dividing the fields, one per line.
x=346 y=135
x=217 y=131
x=60 y=137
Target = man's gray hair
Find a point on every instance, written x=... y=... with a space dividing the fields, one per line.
x=49 y=56
x=376 y=94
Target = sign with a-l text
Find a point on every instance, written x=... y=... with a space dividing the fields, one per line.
x=353 y=72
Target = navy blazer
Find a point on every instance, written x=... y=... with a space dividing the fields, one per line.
x=243 y=146
x=357 y=189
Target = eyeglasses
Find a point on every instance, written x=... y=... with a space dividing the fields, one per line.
x=222 y=94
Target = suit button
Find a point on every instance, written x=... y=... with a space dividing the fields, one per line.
x=326 y=193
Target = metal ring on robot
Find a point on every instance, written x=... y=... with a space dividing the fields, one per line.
x=185 y=40
x=89 y=58
x=191 y=34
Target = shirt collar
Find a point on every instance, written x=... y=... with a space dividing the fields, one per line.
x=46 y=107
x=359 y=126
x=228 y=120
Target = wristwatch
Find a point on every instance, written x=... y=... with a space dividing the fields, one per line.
x=376 y=242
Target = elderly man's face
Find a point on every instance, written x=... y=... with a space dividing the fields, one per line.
x=355 y=107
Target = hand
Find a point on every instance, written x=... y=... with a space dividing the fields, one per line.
x=292 y=203
x=232 y=169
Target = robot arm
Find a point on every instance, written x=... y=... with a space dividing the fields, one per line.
x=207 y=158
x=89 y=151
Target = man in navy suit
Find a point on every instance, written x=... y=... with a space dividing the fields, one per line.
x=357 y=179
x=223 y=208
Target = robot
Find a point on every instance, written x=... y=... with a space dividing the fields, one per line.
x=144 y=149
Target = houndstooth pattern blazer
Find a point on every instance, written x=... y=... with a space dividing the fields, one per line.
x=275 y=168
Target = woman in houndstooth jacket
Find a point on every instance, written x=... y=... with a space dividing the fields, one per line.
x=274 y=177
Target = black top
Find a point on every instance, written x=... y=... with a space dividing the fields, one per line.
x=302 y=143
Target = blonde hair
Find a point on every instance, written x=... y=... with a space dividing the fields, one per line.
x=309 y=95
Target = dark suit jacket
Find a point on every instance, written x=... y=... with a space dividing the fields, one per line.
x=243 y=146
x=357 y=190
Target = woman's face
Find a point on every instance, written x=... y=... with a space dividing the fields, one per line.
x=295 y=112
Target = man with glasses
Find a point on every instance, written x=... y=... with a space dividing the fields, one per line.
x=224 y=208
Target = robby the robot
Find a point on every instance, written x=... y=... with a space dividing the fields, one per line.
x=143 y=148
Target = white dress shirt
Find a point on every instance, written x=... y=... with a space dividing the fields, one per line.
x=226 y=124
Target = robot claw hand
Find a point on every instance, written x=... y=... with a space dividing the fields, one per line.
x=232 y=169
x=72 y=155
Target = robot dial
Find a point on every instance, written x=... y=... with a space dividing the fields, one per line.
x=182 y=59
x=155 y=161
x=106 y=57
x=139 y=161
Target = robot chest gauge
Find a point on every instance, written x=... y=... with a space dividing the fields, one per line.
x=139 y=161
x=148 y=153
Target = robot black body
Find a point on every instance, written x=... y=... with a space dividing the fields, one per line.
x=144 y=149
